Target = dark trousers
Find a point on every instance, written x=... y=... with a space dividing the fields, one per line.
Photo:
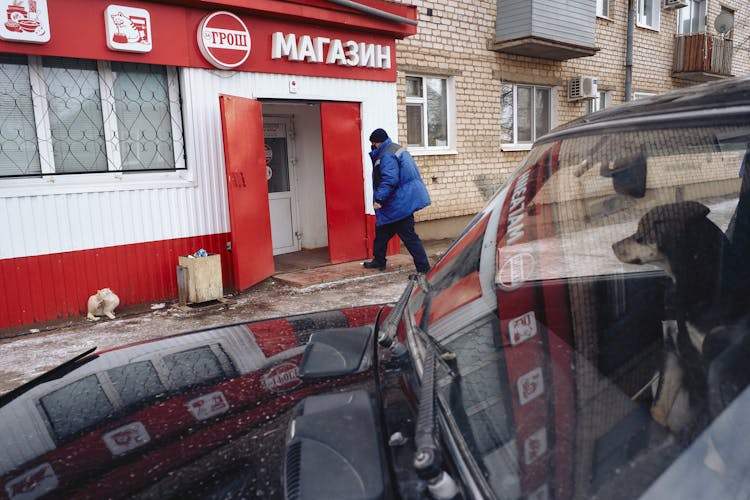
x=405 y=230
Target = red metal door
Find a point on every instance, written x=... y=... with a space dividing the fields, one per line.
x=247 y=190
x=341 y=127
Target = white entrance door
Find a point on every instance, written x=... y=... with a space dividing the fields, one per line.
x=279 y=148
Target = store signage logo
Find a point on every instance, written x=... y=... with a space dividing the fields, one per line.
x=330 y=51
x=128 y=29
x=126 y=438
x=224 y=40
x=281 y=378
x=24 y=21
x=32 y=483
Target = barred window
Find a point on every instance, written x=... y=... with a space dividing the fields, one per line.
x=69 y=116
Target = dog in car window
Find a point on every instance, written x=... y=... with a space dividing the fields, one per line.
x=694 y=252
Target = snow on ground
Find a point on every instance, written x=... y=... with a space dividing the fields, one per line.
x=24 y=357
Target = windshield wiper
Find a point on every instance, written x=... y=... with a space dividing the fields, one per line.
x=387 y=334
x=428 y=459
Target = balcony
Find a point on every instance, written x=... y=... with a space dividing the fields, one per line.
x=700 y=57
x=533 y=28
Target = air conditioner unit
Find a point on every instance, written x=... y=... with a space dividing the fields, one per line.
x=582 y=87
x=673 y=4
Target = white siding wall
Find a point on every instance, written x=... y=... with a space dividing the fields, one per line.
x=568 y=21
x=78 y=212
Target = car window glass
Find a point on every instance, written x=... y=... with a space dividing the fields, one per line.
x=195 y=367
x=76 y=406
x=136 y=382
x=479 y=401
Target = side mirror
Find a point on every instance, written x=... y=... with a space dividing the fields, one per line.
x=337 y=352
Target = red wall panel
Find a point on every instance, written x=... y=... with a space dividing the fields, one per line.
x=48 y=287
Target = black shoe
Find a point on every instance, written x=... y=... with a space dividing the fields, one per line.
x=374 y=265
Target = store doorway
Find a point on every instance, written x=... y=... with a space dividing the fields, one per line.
x=280 y=160
x=294 y=184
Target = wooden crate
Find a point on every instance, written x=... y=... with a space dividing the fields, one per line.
x=200 y=278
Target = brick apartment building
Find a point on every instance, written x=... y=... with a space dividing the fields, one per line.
x=471 y=61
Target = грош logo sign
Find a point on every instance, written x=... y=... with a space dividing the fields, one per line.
x=224 y=40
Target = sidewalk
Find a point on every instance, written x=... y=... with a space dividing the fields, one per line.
x=303 y=281
x=26 y=353
x=348 y=270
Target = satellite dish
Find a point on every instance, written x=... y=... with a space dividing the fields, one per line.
x=724 y=22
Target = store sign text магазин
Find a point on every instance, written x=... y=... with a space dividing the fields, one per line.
x=330 y=51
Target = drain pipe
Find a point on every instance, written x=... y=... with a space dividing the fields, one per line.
x=375 y=12
x=629 y=51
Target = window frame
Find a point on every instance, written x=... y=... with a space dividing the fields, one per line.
x=655 y=12
x=515 y=145
x=602 y=8
x=450 y=106
x=48 y=181
x=602 y=101
x=693 y=5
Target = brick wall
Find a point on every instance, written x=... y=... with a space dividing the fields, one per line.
x=452 y=40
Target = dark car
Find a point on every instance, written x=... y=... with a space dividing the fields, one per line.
x=586 y=336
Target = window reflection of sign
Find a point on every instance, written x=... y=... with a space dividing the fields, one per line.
x=126 y=438
x=522 y=328
x=530 y=385
x=281 y=378
x=208 y=405
x=535 y=446
x=33 y=483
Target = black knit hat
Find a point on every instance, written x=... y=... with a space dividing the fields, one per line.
x=378 y=135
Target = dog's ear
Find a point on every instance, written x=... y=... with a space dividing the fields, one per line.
x=693 y=210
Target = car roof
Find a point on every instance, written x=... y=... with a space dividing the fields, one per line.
x=709 y=97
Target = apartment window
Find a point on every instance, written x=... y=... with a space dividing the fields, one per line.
x=599 y=103
x=74 y=116
x=428 y=102
x=526 y=113
x=602 y=8
x=692 y=19
x=648 y=13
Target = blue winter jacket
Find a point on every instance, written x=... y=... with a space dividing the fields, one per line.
x=397 y=184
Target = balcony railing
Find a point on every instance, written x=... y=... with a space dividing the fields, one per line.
x=702 y=57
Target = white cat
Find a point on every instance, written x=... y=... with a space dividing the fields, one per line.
x=103 y=302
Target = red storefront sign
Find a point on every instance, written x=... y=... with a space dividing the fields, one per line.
x=224 y=40
x=337 y=45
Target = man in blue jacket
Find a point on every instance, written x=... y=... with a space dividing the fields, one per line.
x=398 y=192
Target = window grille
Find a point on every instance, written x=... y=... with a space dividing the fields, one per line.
x=74 y=116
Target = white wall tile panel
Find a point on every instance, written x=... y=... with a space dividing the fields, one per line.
x=59 y=217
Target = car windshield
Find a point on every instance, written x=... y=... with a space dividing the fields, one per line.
x=597 y=309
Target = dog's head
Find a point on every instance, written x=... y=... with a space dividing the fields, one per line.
x=659 y=231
